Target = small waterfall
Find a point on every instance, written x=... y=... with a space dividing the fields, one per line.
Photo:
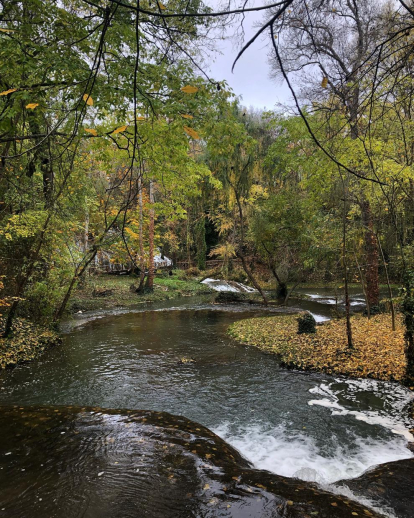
x=232 y=286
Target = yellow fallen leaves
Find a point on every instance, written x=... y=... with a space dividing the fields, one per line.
x=324 y=82
x=378 y=351
x=161 y=6
x=32 y=106
x=26 y=343
x=186 y=116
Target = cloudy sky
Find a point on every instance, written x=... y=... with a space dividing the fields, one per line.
x=250 y=78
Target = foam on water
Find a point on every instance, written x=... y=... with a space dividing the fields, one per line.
x=294 y=454
x=319 y=318
x=222 y=285
x=390 y=416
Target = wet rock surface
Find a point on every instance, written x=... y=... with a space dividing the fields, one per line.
x=90 y=462
x=388 y=485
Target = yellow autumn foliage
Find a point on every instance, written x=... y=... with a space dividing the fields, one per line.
x=189 y=89
x=193 y=134
x=88 y=99
x=119 y=130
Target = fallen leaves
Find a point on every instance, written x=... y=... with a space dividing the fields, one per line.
x=32 y=106
x=378 y=351
x=26 y=342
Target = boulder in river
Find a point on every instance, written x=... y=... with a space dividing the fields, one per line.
x=387 y=485
x=93 y=462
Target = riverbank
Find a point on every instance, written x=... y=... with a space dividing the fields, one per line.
x=378 y=351
x=26 y=342
x=110 y=291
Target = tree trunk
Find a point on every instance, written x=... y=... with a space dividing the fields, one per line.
x=388 y=285
x=371 y=250
x=282 y=289
x=345 y=265
x=141 y=240
x=363 y=287
x=251 y=277
x=151 y=267
x=86 y=232
x=79 y=271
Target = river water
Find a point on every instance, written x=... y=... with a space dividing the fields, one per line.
x=292 y=423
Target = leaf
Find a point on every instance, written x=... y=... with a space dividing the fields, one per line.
x=91 y=131
x=7 y=30
x=189 y=89
x=119 y=130
x=140 y=118
x=32 y=106
x=193 y=134
x=324 y=83
x=88 y=99
x=186 y=116
x=7 y=92
x=161 y=6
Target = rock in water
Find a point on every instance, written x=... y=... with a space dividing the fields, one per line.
x=387 y=485
x=70 y=462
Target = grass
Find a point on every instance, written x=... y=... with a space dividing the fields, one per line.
x=378 y=352
x=165 y=288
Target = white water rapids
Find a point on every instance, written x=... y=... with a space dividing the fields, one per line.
x=296 y=454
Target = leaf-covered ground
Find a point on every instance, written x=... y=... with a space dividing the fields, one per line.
x=25 y=343
x=378 y=351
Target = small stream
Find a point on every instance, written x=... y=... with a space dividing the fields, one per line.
x=305 y=425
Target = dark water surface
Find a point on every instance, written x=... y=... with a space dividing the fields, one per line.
x=291 y=423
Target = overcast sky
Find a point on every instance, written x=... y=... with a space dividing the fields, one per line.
x=250 y=78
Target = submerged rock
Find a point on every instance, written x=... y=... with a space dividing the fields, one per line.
x=90 y=462
x=388 y=485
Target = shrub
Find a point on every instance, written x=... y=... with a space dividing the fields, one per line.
x=192 y=272
x=306 y=324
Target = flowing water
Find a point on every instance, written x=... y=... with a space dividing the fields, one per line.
x=178 y=359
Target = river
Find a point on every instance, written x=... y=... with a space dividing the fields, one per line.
x=178 y=359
